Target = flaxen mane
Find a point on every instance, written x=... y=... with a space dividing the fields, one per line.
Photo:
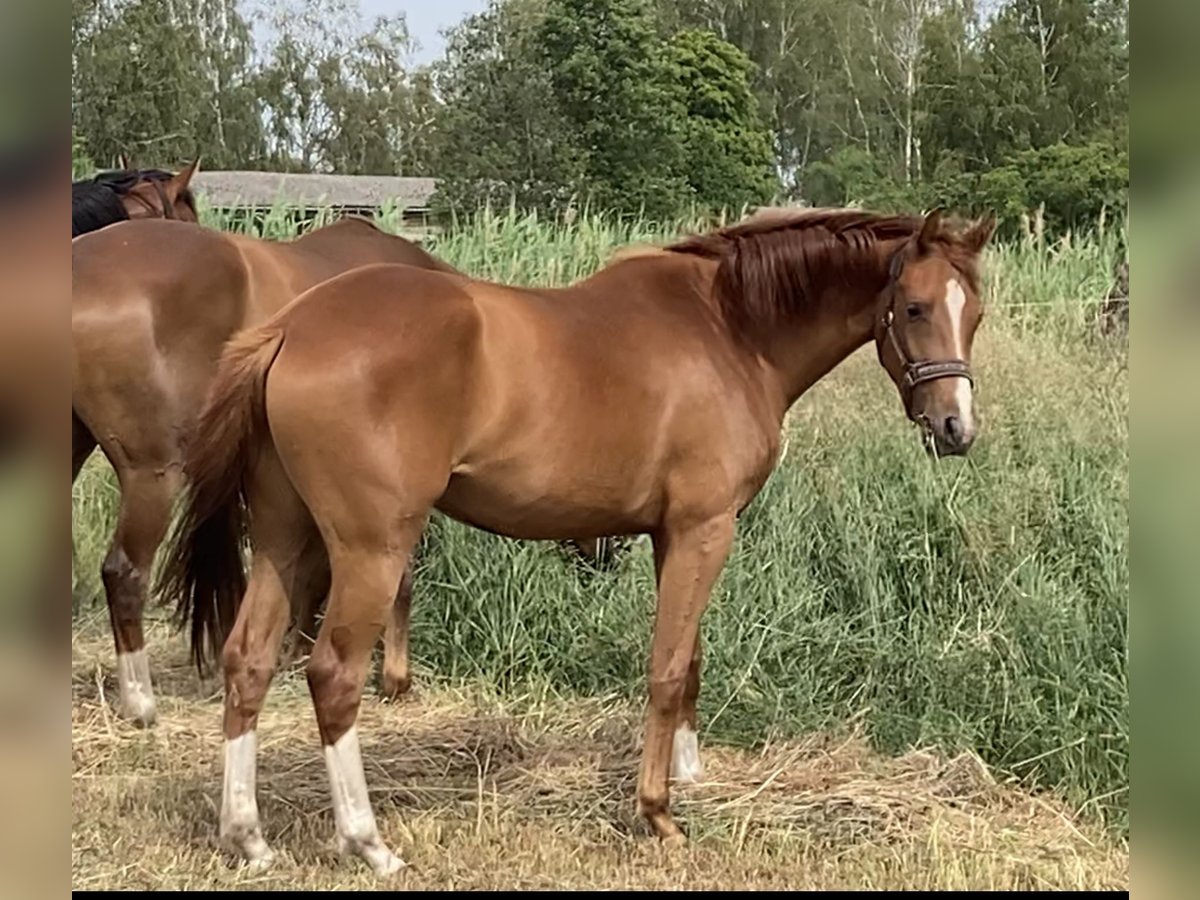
x=769 y=263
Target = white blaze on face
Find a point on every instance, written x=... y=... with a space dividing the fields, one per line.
x=686 y=767
x=133 y=684
x=956 y=302
x=357 y=832
x=240 y=826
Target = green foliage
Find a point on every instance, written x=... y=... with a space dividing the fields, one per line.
x=550 y=103
x=728 y=161
x=337 y=96
x=1073 y=185
x=658 y=106
x=889 y=102
x=164 y=81
x=500 y=135
x=81 y=161
x=611 y=80
x=852 y=176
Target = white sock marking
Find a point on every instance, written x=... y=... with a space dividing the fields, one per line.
x=240 y=825
x=686 y=766
x=357 y=832
x=134 y=688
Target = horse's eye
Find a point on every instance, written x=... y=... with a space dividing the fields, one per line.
x=914 y=312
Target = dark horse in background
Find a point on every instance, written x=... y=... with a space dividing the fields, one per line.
x=125 y=193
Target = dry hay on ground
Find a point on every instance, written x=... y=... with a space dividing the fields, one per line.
x=478 y=794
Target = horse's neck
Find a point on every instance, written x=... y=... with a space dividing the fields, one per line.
x=806 y=349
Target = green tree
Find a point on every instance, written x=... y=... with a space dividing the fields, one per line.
x=613 y=85
x=338 y=96
x=379 y=115
x=727 y=154
x=499 y=135
x=164 y=80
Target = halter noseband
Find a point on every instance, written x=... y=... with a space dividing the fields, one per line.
x=913 y=372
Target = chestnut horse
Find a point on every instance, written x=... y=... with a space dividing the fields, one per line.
x=132 y=194
x=153 y=301
x=648 y=398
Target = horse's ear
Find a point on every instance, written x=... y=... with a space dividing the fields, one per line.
x=976 y=237
x=930 y=230
x=180 y=180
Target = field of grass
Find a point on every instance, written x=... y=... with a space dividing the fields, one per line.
x=875 y=602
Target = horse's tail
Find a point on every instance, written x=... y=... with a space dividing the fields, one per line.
x=203 y=569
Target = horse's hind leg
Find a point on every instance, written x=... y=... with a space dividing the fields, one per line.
x=146 y=498
x=397 y=678
x=290 y=571
x=366 y=578
x=306 y=606
x=83 y=442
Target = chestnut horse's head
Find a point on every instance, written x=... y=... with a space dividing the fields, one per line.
x=925 y=326
x=155 y=194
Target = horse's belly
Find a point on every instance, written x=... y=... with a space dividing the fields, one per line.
x=540 y=508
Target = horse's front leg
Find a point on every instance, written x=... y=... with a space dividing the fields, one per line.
x=688 y=558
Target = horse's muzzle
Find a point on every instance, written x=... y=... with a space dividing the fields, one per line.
x=946 y=436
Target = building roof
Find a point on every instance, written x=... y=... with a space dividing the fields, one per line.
x=229 y=190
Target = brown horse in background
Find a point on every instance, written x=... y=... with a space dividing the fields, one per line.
x=388 y=392
x=125 y=193
x=153 y=302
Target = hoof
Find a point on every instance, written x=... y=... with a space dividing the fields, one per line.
x=140 y=713
x=387 y=864
x=134 y=689
x=383 y=862
x=260 y=864
x=250 y=846
x=675 y=842
x=393 y=687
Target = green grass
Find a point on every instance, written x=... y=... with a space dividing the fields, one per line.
x=970 y=604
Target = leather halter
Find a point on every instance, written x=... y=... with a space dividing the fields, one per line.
x=913 y=372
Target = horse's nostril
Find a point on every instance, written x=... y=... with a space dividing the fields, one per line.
x=954 y=429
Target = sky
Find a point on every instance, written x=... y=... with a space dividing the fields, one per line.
x=425 y=19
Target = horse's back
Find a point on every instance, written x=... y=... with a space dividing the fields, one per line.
x=153 y=301
x=353 y=241
x=381 y=310
x=178 y=275
x=531 y=402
